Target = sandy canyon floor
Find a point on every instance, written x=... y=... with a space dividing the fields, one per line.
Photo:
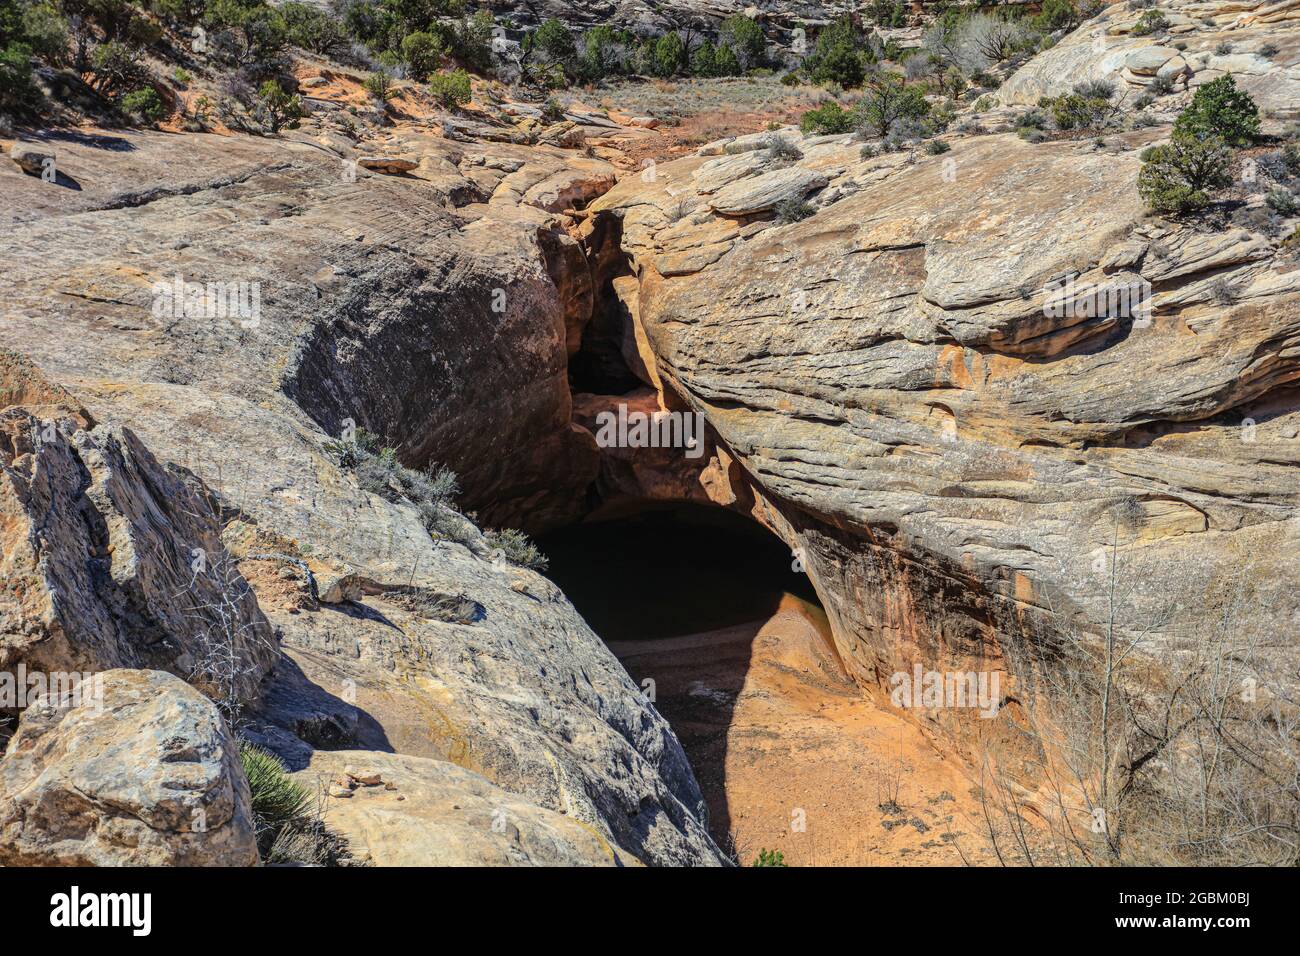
x=778 y=734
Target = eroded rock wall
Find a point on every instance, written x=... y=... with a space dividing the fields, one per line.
x=960 y=464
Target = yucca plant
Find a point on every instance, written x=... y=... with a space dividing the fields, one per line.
x=278 y=800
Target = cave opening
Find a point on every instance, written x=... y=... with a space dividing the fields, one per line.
x=669 y=570
x=709 y=615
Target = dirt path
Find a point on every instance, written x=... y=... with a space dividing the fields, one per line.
x=778 y=733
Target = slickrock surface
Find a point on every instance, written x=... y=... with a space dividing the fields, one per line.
x=422 y=812
x=147 y=775
x=890 y=395
x=439 y=327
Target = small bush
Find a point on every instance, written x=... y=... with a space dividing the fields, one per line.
x=770 y=858
x=380 y=85
x=829 y=118
x=936 y=147
x=517 y=548
x=1179 y=176
x=278 y=800
x=780 y=150
x=143 y=106
x=888 y=99
x=1031 y=119
x=793 y=210
x=423 y=53
x=1290 y=157
x=1074 y=111
x=1283 y=202
x=1153 y=21
x=1220 y=109
x=868 y=151
x=279 y=108
x=451 y=88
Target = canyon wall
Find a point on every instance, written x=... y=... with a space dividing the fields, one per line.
x=965 y=467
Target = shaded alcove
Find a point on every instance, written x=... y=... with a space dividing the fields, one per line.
x=669 y=570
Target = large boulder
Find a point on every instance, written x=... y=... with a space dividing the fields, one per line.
x=133 y=768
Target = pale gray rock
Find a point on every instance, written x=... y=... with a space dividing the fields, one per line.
x=140 y=770
x=31 y=158
x=765 y=191
x=412 y=811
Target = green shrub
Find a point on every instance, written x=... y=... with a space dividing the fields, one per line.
x=1031 y=119
x=182 y=76
x=780 y=150
x=604 y=54
x=116 y=67
x=423 y=53
x=472 y=41
x=888 y=13
x=313 y=29
x=280 y=108
x=839 y=55
x=888 y=99
x=1178 y=177
x=554 y=41
x=249 y=32
x=1290 y=157
x=451 y=88
x=770 y=858
x=1282 y=202
x=1057 y=15
x=726 y=62
x=379 y=84
x=828 y=118
x=552 y=110
x=669 y=54
x=744 y=38
x=1153 y=21
x=936 y=147
x=1220 y=109
x=19 y=94
x=516 y=548
x=143 y=106
x=1072 y=111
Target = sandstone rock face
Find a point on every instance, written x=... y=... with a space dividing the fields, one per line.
x=110 y=560
x=892 y=387
x=765 y=191
x=441 y=329
x=410 y=811
x=1105 y=48
x=145 y=775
